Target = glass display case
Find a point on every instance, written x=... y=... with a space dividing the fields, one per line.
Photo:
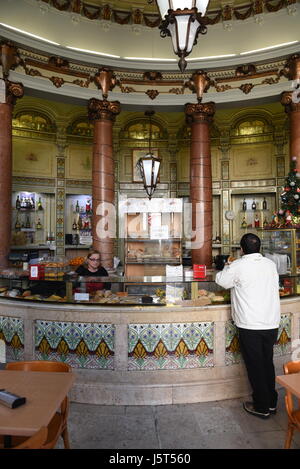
x=153 y=234
x=127 y=291
x=283 y=247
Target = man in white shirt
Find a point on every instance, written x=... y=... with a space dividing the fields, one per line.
x=255 y=305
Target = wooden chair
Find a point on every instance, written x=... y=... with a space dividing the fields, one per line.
x=35 y=441
x=293 y=413
x=58 y=425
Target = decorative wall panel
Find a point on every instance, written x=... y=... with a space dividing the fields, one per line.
x=170 y=346
x=81 y=345
x=252 y=161
x=282 y=346
x=12 y=332
x=33 y=158
x=79 y=162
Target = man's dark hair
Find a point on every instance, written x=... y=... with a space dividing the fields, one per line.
x=250 y=243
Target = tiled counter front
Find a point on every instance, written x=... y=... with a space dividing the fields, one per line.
x=132 y=356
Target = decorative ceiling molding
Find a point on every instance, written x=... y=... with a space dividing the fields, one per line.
x=142 y=17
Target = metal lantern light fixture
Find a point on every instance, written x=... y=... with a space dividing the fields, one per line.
x=182 y=20
x=149 y=165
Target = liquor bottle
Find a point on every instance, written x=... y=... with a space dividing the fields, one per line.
x=79 y=224
x=253 y=205
x=39 y=204
x=244 y=205
x=32 y=203
x=27 y=224
x=88 y=206
x=74 y=226
x=265 y=223
x=17 y=225
x=256 y=221
x=18 y=203
x=264 y=204
x=77 y=207
x=23 y=204
x=38 y=224
x=244 y=223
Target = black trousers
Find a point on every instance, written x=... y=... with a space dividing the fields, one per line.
x=257 y=351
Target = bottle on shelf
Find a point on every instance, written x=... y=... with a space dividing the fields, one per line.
x=32 y=203
x=264 y=204
x=265 y=222
x=74 y=226
x=256 y=221
x=27 y=223
x=253 y=205
x=244 y=223
x=88 y=206
x=17 y=224
x=77 y=207
x=244 y=207
x=38 y=224
x=23 y=203
x=18 y=203
x=39 y=204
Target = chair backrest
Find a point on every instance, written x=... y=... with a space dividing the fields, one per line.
x=291 y=367
x=39 y=365
x=35 y=441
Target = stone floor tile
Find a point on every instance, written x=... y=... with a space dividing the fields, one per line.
x=268 y=440
x=176 y=432
x=227 y=440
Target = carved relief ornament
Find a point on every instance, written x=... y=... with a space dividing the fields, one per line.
x=13 y=91
x=288 y=102
x=199 y=112
x=103 y=110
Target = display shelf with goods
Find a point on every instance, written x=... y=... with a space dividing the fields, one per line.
x=153 y=233
x=252 y=213
x=283 y=247
x=56 y=283
x=78 y=221
x=33 y=223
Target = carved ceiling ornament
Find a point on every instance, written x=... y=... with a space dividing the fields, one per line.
x=199 y=83
x=111 y=12
x=105 y=80
x=14 y=91
x=9 y=58
x=103 y=110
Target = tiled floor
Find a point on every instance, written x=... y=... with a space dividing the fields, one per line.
x=218 y=425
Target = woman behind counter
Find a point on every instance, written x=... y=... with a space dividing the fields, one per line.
x=93 y=268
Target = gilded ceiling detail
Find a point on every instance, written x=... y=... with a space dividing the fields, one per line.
x=146 y=13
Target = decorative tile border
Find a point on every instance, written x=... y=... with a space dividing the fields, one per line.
x=282 y=346
x=170 y=346
x=12 y=333
x=81 y=345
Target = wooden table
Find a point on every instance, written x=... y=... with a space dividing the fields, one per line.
x=44 y=392
x=290 y=382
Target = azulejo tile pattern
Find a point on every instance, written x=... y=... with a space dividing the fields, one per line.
x=170 y=346
x=12 y=333
x=81 y=345
x=282 y=346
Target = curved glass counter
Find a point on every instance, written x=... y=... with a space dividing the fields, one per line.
x=114 y=290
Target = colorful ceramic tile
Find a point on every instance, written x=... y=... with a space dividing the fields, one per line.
x=283 y=344
x=81 y=345
x=12 y=333
x=170 y=346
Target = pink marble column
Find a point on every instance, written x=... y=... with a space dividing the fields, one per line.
x=13 y=91
x=103 y=114
x=291 y=101
x=199 y=116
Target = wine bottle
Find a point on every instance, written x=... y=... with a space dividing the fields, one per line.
x=253 y=205
x=27 y=224
x=264 y=204
x=244 y=205
x=17 y=225
x=18 y=203
x=244 y=223
x=77 y=207
x=88 y=206
x=38 y=224
x=39 y=205
x=32 y=203
x=74 y=226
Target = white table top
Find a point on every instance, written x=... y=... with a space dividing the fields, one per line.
x=290 y=382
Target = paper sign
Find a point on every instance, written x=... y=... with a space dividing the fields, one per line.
x=81 y=297
x=174 y=270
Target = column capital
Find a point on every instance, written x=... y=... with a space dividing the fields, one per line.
x=103 y=110
x=289 y=102
x=199 y=112
x=9 y=57
x=292 y=67
x=13 y=91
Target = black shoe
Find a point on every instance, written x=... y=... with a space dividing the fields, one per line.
x=273 y=410
x=249 y=407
